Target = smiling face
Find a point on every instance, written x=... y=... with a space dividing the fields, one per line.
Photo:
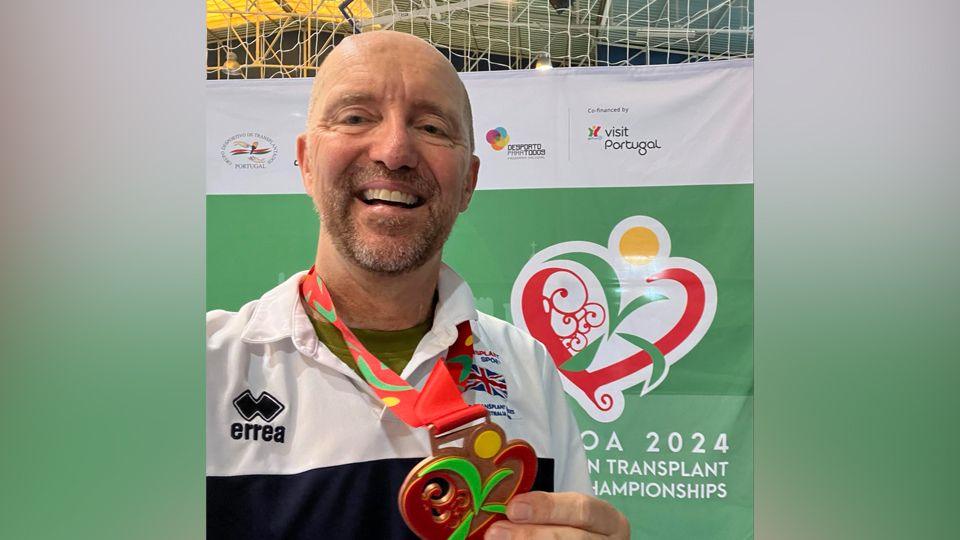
x=387 y=155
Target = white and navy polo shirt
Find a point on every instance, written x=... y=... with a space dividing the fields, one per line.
x=298 y=446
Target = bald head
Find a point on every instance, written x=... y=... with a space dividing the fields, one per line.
x=396 y=54
x=387 y=156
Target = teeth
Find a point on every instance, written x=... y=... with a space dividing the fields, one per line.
x=388 y=195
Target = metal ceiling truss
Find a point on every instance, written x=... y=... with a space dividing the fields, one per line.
x=288 y=38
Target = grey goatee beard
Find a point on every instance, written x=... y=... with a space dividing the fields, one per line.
x=408 y=246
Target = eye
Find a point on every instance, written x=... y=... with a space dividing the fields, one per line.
x=353 y=120
x=432 y=129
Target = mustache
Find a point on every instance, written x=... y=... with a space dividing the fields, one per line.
x=358 y=175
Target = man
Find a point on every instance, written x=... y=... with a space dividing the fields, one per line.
x=298 y=444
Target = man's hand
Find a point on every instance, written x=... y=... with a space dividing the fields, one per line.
x=539 y=515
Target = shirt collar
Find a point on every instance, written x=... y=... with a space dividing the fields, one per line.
x=280 y=315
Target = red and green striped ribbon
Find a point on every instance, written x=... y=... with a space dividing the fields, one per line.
x=439 y=403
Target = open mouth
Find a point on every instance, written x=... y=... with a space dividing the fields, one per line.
x=390 y=198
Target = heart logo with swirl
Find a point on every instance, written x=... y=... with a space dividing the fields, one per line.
x=614 y=318
x=460 y=491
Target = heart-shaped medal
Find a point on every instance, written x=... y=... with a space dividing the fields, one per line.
x=460 y=491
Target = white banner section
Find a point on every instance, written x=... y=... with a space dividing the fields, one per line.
x=578 y=127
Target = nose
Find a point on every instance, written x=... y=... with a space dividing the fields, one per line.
x=394 y=145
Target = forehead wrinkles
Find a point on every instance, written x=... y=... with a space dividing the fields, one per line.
x=409 y=85
x=377 y=56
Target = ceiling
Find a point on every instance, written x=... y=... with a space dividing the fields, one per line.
x=579 y=35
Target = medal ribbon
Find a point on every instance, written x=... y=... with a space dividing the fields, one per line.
x=440 y=403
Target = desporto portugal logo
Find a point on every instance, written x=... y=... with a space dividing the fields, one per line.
x=498 y=138
x=249 y=150
x=614 y=318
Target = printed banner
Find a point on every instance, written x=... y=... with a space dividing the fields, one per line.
x=614 y=223
x=662 y=125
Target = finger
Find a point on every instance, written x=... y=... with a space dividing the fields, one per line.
x=571 y=509
x=505 y=530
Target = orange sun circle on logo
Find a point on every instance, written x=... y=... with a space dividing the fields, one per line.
x=639 y=245
x=487 y=444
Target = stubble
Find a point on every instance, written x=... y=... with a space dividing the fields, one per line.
x=402 y=244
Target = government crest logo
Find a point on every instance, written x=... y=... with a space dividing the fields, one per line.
x=249 y=150
x=614 y=318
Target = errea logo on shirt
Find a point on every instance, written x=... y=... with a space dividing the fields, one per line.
x=267 y=408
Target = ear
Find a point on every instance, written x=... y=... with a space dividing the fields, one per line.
x=303 y=161
x=471 y=183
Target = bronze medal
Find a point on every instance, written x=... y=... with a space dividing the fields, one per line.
x=461 y=490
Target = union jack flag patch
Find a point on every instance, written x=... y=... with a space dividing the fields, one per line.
x=486 y=380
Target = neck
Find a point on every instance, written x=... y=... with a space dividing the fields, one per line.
x=373 y=301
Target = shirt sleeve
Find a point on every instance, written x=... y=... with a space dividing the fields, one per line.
x=570 y=472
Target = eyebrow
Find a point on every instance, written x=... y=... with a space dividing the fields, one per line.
x=420 y=105
x=352 y=98
x=435 y=108
x=432 y=107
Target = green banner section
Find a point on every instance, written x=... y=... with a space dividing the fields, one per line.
x=256 y=241
x=680 y=466
x=678 y=460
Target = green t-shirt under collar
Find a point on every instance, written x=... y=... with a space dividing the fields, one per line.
x=394 y=348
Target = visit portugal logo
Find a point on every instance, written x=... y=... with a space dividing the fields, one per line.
x=614 y=318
